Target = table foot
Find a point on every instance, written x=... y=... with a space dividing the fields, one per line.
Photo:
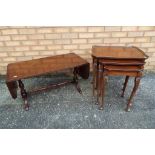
x=78 y=88
x=75 y=81
x=26 y=105
x=129 y=104
x=100 y=108
x=101 y=93
x=24 y=95
x=122 y=95
x=96 y=103
x=128 y=109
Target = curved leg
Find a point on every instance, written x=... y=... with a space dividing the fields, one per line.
x=124 y=86
x=78 y=88
x=75 y=80
x=23 y=94
x=136 y=84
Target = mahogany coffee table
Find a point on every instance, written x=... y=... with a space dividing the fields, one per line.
x=28 y=69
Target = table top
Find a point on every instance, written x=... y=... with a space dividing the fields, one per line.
x=35 y=67
x=118 y=52
x=123 y=68
x=120 y=62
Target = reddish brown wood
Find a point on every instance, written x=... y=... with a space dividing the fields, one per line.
x=57 y=85
x=100 y=80
x=124 y=85
x=83 y=71
x=122 y=62
x=36 y=67
x=116 y=70
x=51 y=86
x=23 y=94
x=118 y=52
x=137 y=82
x=94 y=77
x=116 y=60
x=12 y=86
x=75 y=80
x=103 y=85
x=27 y=69
x=95 y=65
x=123 y=68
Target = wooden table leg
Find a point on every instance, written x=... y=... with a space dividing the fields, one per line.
x=76 y=82
x=23 y=94
x=136 y=84
x=99 y=82
x=124 y=85
x=102 y=86
x=94 y=76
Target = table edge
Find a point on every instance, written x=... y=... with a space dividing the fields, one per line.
x=27 y=77
x=145 y=55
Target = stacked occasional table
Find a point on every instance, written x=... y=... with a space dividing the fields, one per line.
x=116 y=61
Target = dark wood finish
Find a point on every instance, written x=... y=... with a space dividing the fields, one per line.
x=118 y=52
x=36 y=67
x=94 y=76
x=12 y=86
x=124 y=85
x=27 y=69
x=83 y=71
x=123 y=70
x=116 y=70
x=23 y=94
x=57 y=85
x=137 y=82
x=75 y=80
x=102 y=90
x=51 y=86
x=114 y=61
x=122 y=62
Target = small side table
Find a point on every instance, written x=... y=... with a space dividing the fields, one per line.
x=111 y=70
x=116 y=60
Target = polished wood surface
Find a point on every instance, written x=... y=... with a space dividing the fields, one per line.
x=12 y=86
x=121 y=62
x=110 y=70
x=26 y=69
x=118 y=52
x=116 y=61
x=123 y=68
x=130 y=71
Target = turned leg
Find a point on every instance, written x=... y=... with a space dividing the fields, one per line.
x=103 y=84
x=124 y=86
x=94 y=77
x=23 y=94
x=136 y=84
x=75 y=81
x=99 y=82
